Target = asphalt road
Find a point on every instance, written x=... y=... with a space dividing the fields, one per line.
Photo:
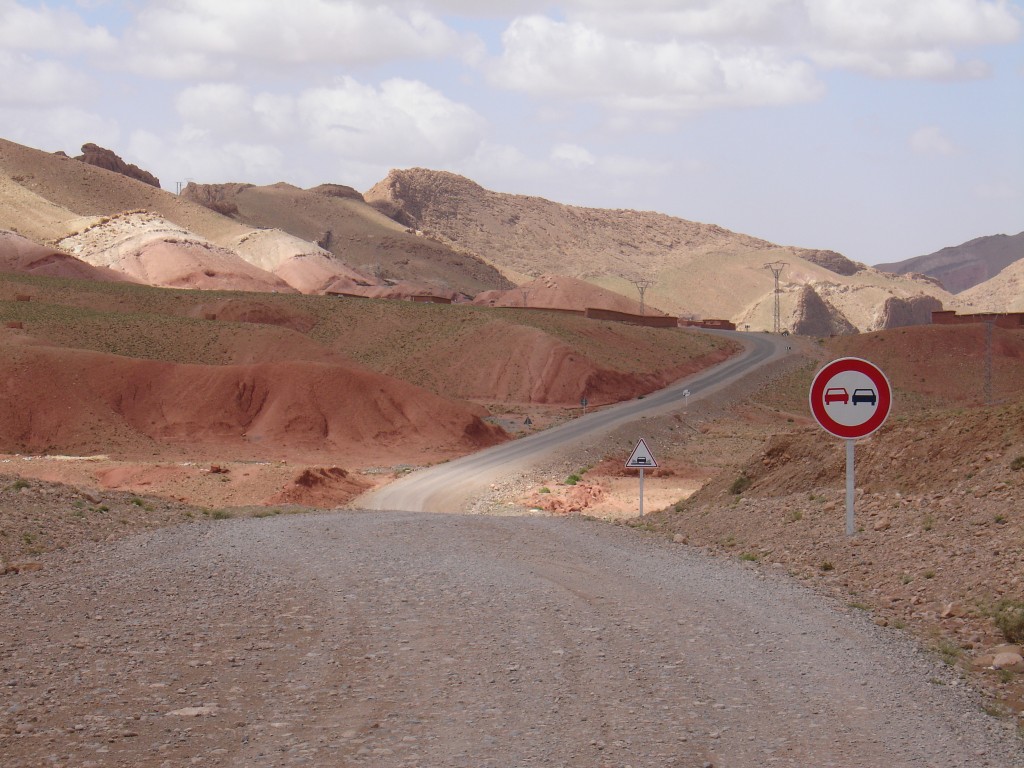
x=448 y=487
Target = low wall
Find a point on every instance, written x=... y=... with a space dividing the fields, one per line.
x=651 y=321
x=1012 y=320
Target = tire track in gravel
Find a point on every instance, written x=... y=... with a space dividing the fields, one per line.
x=407 y=640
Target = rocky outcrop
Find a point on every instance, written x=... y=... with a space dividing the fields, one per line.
x=832 y=261
x=216 y=197
x=817 y=317
x=337 y=190
x=105 y=158
x=898 y=312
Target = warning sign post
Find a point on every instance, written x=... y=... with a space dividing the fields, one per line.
x=850 y=398
x=641 y=458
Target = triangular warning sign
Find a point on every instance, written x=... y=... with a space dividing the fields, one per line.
x=641 y=458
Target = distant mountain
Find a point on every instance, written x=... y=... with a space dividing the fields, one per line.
x=960 y=267
x=1002 y=293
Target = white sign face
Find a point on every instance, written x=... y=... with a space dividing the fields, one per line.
x=850 y=398
x=641 y=457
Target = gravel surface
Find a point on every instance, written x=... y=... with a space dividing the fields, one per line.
x=403 y=639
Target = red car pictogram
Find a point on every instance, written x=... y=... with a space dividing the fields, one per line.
x=836 y=395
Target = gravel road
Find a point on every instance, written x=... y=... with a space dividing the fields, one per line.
x=405 y=639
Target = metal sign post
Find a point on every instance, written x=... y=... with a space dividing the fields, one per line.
x=850 y=398
x=641 y=459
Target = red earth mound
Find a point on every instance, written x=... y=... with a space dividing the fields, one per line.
x=322 y=487
x=19 y=254
x=78 y=402
x=253 y=311
x=196 y=265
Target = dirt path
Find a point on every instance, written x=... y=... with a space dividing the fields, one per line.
x=402 y=639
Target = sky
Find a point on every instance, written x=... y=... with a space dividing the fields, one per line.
x=882 y=129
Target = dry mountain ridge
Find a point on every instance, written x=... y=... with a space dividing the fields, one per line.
x=338 y=220
x=695 y=269
x=960 y=267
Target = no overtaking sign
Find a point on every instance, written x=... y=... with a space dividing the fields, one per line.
x=850 y=398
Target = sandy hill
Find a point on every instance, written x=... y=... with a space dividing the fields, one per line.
x=698 y=270
x=52 y=198
x=1002 y=293
x=561 y=292
x=338 y=219
x=964 y=266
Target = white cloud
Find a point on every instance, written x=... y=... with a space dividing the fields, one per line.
x=53 y=128
x=192 y=38
x=912 y=24
x=187 y=156
x=664 y=19
x=401 y=122
x=930 y=140
x=228 y=132
x=28 y=81
x=908 y=38
x=572 y=156
x=571 y=60
x=43 y=28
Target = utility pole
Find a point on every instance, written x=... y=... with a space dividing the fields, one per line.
x=776 y=269
x=989 y=323
x=642 y=284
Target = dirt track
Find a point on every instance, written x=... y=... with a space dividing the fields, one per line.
x=401 y=639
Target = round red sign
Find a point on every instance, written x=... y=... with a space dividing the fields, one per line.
x=850 y=397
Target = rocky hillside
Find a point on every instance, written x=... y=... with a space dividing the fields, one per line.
x=1002 y=293
x=964 y=266
x=85 y=204
x=694 y=269
x=338 y=220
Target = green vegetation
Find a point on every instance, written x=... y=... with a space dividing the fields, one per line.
x=826 y=566
x=1017 y=463
x=18 y=484
x=1009 y=617
x=750 y=557
x=740 y=484
x=948 y=651
x=795 y=515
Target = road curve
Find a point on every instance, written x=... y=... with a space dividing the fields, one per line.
x=447 y=487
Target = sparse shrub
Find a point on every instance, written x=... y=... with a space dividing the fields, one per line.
x=1009 y=618
x=18 y=484
x=795 y=515
x=137 y=501
x=572 y=479
x=739 y=485
x=1017 y=463
x=750 y=557
x=929 y=574
x=220 y=514
x=826 y=566
x=949 y=651
x=544 y=489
